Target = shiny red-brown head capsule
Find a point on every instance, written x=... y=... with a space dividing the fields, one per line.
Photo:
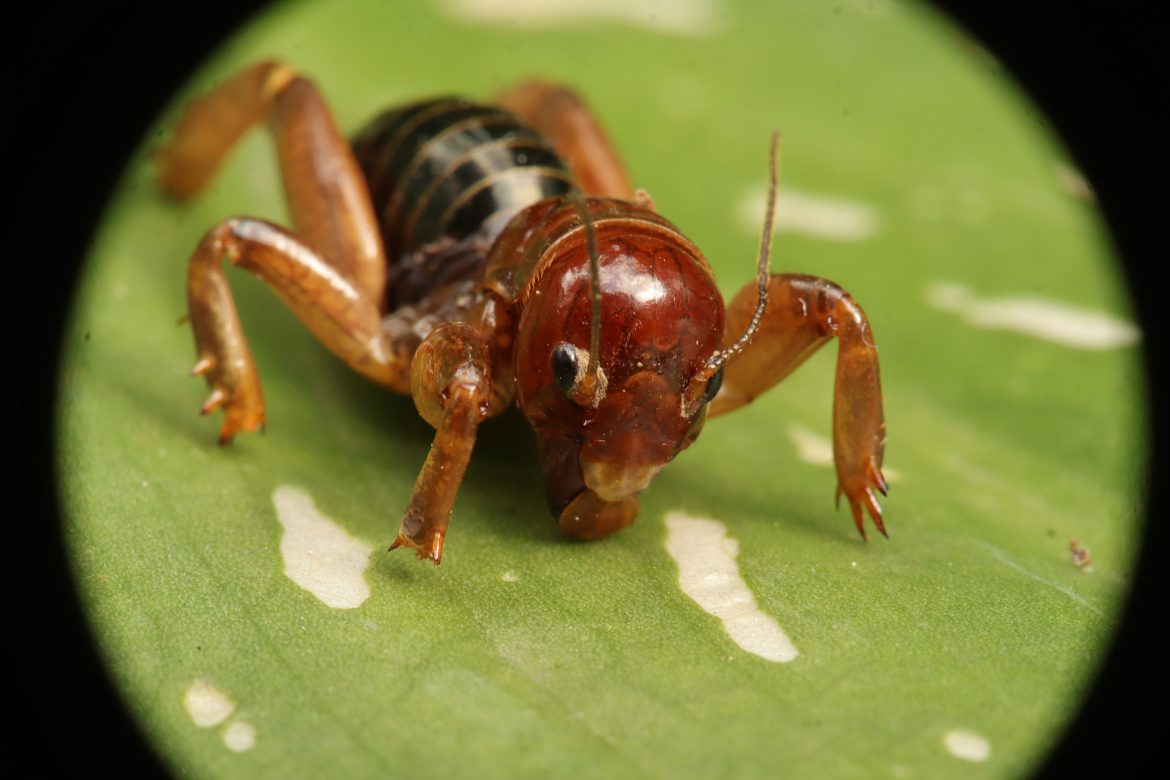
x=604 y=435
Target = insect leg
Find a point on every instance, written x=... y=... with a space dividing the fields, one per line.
x=562 y=117
x=326 y=194
x=802 y=314
x=209 y=127
x=331 y=306
x=451 y=386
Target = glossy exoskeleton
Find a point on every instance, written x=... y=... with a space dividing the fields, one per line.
x=471 y=255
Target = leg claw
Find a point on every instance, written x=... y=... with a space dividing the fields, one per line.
x=433 y=551
x=878 y=479
x=862 y=500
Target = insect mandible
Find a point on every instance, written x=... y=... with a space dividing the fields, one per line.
x=475 y=255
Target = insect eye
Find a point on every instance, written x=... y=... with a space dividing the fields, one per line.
x=713 y=385
x=564 y=366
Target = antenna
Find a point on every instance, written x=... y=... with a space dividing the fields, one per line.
x=693 y=397
x=721 y=357
x=593 y=384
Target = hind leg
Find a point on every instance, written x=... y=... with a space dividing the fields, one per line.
x=330 y=269
x=562 y=117
x=326 y=194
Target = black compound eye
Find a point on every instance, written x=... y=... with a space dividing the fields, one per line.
x=713 y=385
x=564 y=366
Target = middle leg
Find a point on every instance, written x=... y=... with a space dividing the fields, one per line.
x=334 y=310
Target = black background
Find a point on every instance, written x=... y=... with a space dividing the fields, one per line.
x=88 y=81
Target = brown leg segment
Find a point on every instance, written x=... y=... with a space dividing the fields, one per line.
x=451 y=386
x=326 y=194
x=329 y=305
x=803 y=313
x=561 y=116
x=331 y=270
x=210 y=126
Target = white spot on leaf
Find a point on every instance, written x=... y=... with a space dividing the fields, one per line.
x=677 y=17
x=239 y=737
x=811 y=447
x=207 y=705
x=967 y=745
x=1036 y=317
x=818 y=216
x=318 y=554
x=707 y=572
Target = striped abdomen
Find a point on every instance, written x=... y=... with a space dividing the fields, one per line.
x=442 y=168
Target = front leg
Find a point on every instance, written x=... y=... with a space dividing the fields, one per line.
x=802 y=314
x=450 y=381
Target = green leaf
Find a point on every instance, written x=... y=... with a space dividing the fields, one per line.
x=527 y=654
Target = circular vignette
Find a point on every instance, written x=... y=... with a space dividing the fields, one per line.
x=83 y=103
x=88 y=81
x=1091 y=70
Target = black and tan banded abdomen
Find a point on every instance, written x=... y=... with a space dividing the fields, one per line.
x=442 y=168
